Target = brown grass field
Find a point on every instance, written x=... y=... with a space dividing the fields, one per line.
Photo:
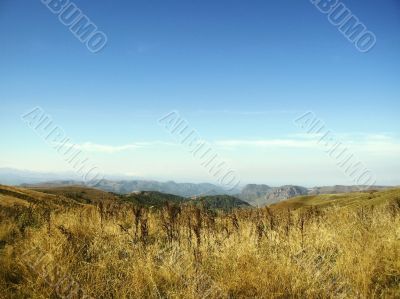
x=54 y=245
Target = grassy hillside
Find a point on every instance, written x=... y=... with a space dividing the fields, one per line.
x=219 y=202
x=10 y=196
x=342 y=246
x=353 y=199
x=152 y=198
x=80 y=194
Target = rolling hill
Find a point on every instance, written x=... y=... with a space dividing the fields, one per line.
x=13 y=196
x=53 y=197
x=352 y=199
x=80 y=195
x=152 y=198
x=220 y=202
x=261 y=195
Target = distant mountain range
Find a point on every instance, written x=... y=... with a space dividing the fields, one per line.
x=11 y=176
x=260 y=195
x=254 y=194
x=180 y=189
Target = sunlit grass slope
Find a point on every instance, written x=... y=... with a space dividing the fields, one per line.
x=341 y=246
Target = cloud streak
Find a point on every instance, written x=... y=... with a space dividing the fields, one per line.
x=111 y=149
x=368 y=143
x=290 y=143
x=374 y=143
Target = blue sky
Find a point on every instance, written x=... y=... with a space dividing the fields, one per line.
x=235 y=70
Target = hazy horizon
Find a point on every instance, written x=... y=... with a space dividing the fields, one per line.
x=71 y=175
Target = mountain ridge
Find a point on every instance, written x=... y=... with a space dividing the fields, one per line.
x=254 y=194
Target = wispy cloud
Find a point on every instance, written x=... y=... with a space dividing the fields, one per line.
x=375 y=143
x=380 y=143
x=93 y=147
x=110 y=149
x=267 y=143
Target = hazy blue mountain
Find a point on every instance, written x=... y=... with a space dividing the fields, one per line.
x=180 y=189
x=113 y=183
x=261 y=195
x=253 y=191
x=10 y=176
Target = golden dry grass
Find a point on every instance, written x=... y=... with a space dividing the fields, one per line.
x=122 y=251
